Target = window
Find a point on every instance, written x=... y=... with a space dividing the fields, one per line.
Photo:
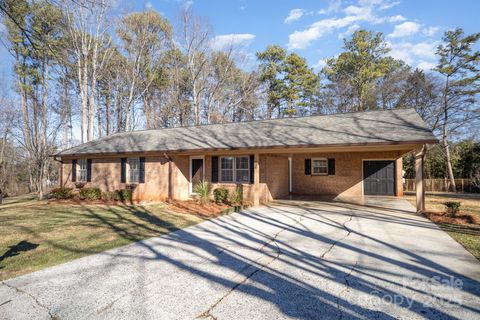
x=242 y=171
x=320 y=166
x=235 y=169
x=82 y=170
x=133 y=170
x=226 y=169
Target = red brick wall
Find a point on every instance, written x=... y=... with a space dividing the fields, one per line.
x=347 y=180
x=273 y=176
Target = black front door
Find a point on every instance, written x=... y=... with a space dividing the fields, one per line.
x=197 y=171
x=379 y=178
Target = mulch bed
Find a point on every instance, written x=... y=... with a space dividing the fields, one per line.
x=89 y=202
x=210 y=209
x=459 y=218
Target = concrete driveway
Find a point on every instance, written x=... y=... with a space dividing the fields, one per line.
x=291 y=259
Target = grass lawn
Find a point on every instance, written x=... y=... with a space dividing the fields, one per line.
x=37 y=234
x=462 y=229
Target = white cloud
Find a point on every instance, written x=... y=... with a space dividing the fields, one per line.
x=294 y=15
x=333 y=6
x=148 y=5
x=388 y=5
x=405 y=29
x=349 y=31
x=426 y=65
x=430 y=31
x=397 y=18
x=302 y=39
x=235 y=39
x=187 y=4
x=320 y=64
x=411 y=52
x=354 y=16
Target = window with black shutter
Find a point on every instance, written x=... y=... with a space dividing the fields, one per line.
x=141 y=178
x=123 y=170
x=89 y=170
x=252 y=168
x=331 y=167
x=308 y=167
x=74 y=170
x=214 y=169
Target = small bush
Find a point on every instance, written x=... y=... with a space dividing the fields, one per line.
x=90 y=193
x=220 y=195
x=452 y=207
x=203 y=190
x=123 y=195
x=108 y=195
x=62 y=193
x=237 y=196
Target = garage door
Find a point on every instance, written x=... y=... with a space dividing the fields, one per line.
x=379 y=178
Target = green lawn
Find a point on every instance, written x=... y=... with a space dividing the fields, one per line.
x=37 y=234
x=467 y=234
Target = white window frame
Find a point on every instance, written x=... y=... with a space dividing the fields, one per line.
x=82 y=170
x=235 y=169
x=320 y=173
x=228 y=169
x=129 y=171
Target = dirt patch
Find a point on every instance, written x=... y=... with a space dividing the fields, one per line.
x=210 y=209
x=460 y=218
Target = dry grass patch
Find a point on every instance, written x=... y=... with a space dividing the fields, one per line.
x=38 y=234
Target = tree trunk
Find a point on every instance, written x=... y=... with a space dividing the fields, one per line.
x=107 y=114
x=446 y=146
x=82 y=74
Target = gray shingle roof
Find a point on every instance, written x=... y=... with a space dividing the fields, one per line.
x=386 y=126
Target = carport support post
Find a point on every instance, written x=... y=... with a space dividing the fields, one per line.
x=419 y=182
x=256 y=180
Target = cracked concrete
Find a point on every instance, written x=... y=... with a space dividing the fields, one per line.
x=304 y=260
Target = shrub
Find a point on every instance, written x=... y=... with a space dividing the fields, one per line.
x=123 y=195
x=452 y=207
x=62 y=193
x=203 y=190
x=237 y=196
x=108 y=195
x=220 y=195
x=90 y=193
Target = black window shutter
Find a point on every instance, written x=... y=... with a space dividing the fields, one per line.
x=89 y=170
x=214 y=169
x=331 y=167
x=308 y=167
x=141 y=179
x=123 y=170
x=74 y=170
x=252 y=168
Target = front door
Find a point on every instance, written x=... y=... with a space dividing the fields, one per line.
x=196 y=171
x=379 y=178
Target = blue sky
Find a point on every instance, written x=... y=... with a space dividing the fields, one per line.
x=314 y=29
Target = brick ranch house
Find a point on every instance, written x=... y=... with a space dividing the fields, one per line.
x=340 y=155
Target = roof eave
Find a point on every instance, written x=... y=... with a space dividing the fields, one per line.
x=385 y=143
